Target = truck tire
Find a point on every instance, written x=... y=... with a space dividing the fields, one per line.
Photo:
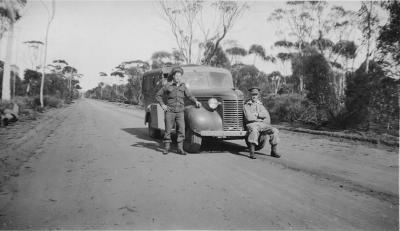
x=261 y=142
x=153 y=132
x=192 y=142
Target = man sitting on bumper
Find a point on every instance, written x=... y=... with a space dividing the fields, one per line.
x=259 y=121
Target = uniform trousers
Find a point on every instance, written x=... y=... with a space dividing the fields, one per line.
x=254 y=129
x=177 y=119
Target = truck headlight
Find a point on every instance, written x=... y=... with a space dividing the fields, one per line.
x=213 y=103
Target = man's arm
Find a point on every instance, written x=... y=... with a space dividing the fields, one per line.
x=159 y=98
x=264 y=114
x=191 y=97
x=250 y=117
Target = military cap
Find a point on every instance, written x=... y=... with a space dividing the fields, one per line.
x=254 y=90
x=176 y=70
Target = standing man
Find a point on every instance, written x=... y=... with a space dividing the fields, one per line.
x=175 y=92
x=257 y=121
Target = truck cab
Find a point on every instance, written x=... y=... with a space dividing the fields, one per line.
x=221 y=114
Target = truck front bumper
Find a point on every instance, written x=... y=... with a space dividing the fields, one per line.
x=223 y=134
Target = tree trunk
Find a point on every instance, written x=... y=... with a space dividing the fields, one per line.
x=45 y=52
x=6 y=89
x=368 y=38
x=301 y=84
x=13 y=91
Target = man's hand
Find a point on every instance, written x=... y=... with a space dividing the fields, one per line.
x=198 y=104
x=164 y=107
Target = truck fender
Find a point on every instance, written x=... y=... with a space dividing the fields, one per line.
x=201 y=119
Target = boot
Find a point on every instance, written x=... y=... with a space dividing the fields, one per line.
x=166 y=148
x=252 y=156
x=180 y=149
x=274 y=151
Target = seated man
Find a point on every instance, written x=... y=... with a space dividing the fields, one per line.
x=258 y=121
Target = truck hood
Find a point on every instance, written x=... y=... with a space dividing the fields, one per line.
x=226 y=94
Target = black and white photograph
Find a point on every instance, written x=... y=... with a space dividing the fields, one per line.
x=199 y=115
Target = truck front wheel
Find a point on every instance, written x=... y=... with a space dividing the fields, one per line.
x=192 y=142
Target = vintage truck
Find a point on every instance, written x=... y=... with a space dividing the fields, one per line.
x=221 y=114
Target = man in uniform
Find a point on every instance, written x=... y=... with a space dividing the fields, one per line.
x=258 y=121
x=175 y=92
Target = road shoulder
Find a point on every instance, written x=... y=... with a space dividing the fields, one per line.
x=20 y=141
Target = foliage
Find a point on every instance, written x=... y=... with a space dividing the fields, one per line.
x=9 y=13
x=130 y=92
x=369 y=26
x=189 y=28
x=283 y=43
x=372 y=100
x=49 y=101
x=236 y=52
x=159 y=58
x=345 y=48
x=219 y=59
x=320 y=90
x=389 y=40
x=286 y=107
x=247 y=76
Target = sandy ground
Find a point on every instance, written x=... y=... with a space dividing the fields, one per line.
x=92 y=166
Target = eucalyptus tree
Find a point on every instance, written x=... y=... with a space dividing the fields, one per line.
x=159 y=58
x=308 y=26
x=236 y=52
x=257 y=51
x=277 y=80
x=369 y=26
x=177 y=57
x=119 y=74
x=34 y=48
x=69 y=72
x=9 y=14
x=218 y=59
x=189 y=27
x=389 y=40
x=101 y=84
x=50 y=19
x=134 y=69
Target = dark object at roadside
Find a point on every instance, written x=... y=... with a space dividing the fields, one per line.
x=7 y=116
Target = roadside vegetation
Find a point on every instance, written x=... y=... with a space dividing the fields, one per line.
x=59 y=89
x=336 y=69
x=43 y=85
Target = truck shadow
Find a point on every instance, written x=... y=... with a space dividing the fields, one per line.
x=208 y=147
x=141 y=134
x=218 y=146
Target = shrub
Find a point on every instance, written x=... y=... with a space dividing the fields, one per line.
x=372 y=100
x=285 y=107
x=48 y=101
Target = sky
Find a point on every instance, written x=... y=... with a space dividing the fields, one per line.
x=95 y=36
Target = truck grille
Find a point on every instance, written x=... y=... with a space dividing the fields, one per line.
x=232 y=111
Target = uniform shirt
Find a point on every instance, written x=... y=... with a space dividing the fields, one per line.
x=255 y=110
x=175 y=96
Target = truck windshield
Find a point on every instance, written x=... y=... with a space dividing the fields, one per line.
x=207 y=80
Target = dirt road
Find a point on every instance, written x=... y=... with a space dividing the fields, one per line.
x=98 y=169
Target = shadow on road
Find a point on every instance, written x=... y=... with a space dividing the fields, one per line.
x=141 y=133
x=208 y=147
